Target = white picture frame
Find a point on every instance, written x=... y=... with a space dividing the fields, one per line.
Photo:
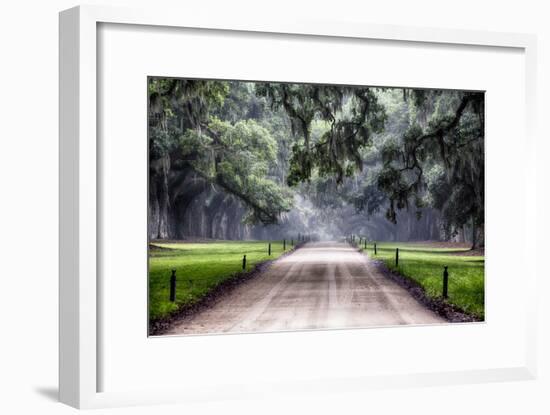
x=79 y=345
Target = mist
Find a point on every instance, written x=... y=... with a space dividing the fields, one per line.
x=264 y=161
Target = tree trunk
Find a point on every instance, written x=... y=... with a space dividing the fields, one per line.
x=474 y=234
x=462 y=235
x=159 y=202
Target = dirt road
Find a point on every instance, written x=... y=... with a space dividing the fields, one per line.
x=321 y=285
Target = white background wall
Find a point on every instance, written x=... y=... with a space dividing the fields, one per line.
x=28 y=204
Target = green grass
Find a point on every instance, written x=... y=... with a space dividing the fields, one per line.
x=200 y=267
x=424 y=265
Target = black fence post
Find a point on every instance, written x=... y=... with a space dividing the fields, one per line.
x=292 y=242
x=375 y=248
x=445 y=282
x=244 y=262
x=269 y=249
x=284 y=244
x=365 y=244
x=396 y=257
x=173 y=286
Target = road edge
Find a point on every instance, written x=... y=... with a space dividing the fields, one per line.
x=160 y=326
x=448 y=311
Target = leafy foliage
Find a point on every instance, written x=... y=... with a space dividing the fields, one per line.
x=235 y=156
x=352 y=115
x=449 y=140
x=374 y=149
x=176 y=105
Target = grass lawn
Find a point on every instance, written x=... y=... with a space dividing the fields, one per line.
x=424 y=265
x=199 y=268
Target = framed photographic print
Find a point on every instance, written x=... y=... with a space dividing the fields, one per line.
x=283 y=206
x=274 y=201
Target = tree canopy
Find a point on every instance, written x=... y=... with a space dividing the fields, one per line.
x=439 y=159
x=367 y=149
x=234 y=156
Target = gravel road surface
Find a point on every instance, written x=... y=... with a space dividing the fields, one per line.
x=321 y=285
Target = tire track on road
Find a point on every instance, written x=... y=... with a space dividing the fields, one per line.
x=321 y=285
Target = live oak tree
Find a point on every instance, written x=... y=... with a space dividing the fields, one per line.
x=189 y=147
x=236 y=157
x=439 y=160
x=174 y=106
x=352 y=115
x=426 y=162
x=225 y=155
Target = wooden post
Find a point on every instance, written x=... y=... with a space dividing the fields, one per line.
x=396 y=257
x=284 y=244
x=375 y=248
x=269 y=249
x=173 y=286
x=445 y=282
x=365 y=244
x=244 y=262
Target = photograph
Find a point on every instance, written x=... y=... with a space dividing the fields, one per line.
x=279 y=206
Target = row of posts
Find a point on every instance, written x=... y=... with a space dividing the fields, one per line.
x=300 y=238
x=358 y=241
x=351 y=240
